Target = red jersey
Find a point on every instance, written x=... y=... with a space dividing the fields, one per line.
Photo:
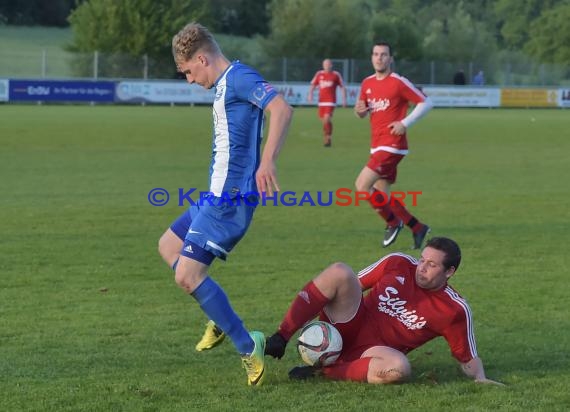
x=327 y=83
x=388 y=100
x=404 y=316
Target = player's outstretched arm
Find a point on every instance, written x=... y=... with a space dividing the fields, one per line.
x=474 y=369
x=280 y=117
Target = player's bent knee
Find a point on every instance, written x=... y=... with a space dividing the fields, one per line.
x=341 y=267
x=180 y=278
x=189 y=277
x=383 y=371
x=340 y=271
x=362 y=185
x=185 y=280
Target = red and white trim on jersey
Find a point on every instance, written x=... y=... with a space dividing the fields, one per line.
x=373 y=266
x=389 y=149
x=330 y=104
x=463 y=303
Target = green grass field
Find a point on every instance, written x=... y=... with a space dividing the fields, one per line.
x=91 y=319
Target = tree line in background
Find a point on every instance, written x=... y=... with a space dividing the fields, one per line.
x=447 y=30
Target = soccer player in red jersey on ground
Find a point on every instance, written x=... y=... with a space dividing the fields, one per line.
x=327 y=80
x=409 y=304
x=386 y=96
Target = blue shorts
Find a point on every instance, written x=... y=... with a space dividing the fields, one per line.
x=210 y=231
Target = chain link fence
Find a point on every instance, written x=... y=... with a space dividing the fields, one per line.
x=60 y=65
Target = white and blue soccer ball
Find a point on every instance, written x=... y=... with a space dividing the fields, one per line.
x=319 y=344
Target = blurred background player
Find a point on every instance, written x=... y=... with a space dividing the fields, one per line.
x=327 y=80
x=479 y=78
x=386 y=96
x=205 y=232
x=410 y=303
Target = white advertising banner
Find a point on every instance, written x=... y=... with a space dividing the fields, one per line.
x=4 y=90
x=352 y=93
x=297 y=94
x=163 y=92
x=564 y=97
x=463 y=96
x=181 y=92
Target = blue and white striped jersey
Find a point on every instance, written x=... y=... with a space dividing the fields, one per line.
x=241 y=96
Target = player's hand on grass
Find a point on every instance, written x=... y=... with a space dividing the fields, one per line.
x=275 y=346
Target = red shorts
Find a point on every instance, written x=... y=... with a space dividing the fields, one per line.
x=385 y=164
x=358 y=334
x=324 y=110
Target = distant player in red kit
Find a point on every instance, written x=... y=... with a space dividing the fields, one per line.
x=327 y=80
x=386 y=97
x=409 y=304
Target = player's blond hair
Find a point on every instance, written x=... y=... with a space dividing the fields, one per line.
x=190 y=39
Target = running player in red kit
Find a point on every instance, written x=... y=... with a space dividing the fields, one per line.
x=409 y=304
x=327 y=80
x=386 y=97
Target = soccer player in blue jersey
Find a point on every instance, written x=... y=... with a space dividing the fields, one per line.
x=237 y=169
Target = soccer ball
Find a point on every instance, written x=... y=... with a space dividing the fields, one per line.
x=319 y=344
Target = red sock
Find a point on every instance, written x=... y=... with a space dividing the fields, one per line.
x=403 y=214
x=381 y=204
x=356 y=370
x=327 y=128
x=306 y=306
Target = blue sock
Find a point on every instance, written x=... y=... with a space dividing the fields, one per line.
x=215 y=304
